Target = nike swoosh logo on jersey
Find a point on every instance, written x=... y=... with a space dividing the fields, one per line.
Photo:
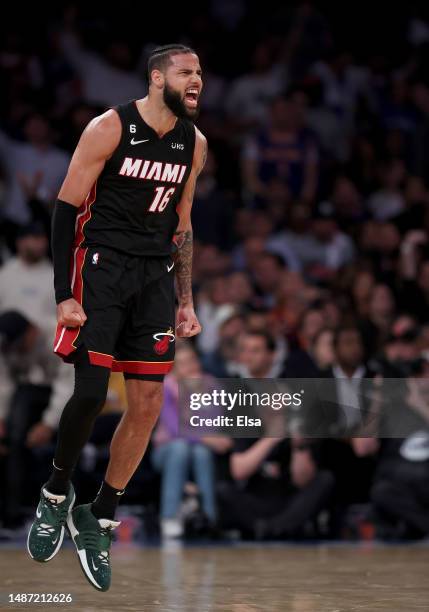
x=134 y=142
x=169 y=268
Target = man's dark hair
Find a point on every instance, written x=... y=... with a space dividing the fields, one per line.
x=160 y=58
x=268 y=339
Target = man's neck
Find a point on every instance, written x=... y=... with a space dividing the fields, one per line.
x=156 y=114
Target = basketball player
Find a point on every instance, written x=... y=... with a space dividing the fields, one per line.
x=135 y=169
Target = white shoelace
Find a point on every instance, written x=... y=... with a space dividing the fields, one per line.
x=104 y=557
x=45 y=530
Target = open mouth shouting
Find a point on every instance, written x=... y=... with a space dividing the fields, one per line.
x=192 y=95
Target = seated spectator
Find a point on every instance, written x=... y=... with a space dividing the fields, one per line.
x=27 y=280
x=332 y=247
x=177 y=458
x=401 y=348
x=388 y=201
x=344 y=83
x=400 y=493
x=209 y=262
x=286 y=149
x=76 y=120
x=34 y=385
x=268 y=273
x=349 y=372
x=361 y=290
x=348 y=202
x=257 y=241
x=34 y=171
x=379 y=244
x=212 y=210
x=414 y=295
x=416 y=201
x=322 y=349
x=213 y=308
x=296 y=237
x=102 y=75
x=257 y=355
x=300 y=362
x=293 y=297
x=250 y=94
x=224 y=361
x=278 y=488
x=277 y=202
x=362 y=165
x=340 y=412
x=375 y=328
x=240 y=290
x=316 y=241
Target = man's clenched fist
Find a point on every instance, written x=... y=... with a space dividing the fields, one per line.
x=70 y=313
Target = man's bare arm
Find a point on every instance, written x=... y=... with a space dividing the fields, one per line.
x=96 y=145
x=183 y=234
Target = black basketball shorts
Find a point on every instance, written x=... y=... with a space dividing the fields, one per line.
x=130 y=305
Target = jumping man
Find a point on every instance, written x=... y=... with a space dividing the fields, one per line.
x=123 y=218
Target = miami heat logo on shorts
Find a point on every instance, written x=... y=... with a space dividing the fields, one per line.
x=162 y=341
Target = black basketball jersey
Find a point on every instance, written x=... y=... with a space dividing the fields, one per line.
x=132 y=206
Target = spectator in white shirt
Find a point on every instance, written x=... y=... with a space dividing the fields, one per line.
x=27 y=280
x=388 y=201
x=250 y=94
x=106 y=80
x=33 y=169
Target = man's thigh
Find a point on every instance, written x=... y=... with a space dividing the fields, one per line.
x=97 y=276
x=146 y=345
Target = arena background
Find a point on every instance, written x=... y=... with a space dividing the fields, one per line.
x=311 y=229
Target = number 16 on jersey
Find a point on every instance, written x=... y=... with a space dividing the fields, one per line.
x=161 y=199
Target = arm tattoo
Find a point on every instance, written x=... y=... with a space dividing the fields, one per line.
x=183 y=240
x=204 y=157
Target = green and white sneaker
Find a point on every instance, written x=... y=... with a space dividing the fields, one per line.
x=47 y=531
x=92 y=538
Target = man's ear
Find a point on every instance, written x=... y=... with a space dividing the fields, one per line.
x=157 y=78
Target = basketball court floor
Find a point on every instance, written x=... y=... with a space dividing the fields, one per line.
x=234 y=578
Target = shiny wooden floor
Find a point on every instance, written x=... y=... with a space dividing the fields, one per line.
x=232 y=579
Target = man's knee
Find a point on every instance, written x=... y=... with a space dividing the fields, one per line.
x=90 y=390
x=144 y=397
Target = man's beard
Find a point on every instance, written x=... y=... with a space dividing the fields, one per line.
x=175 y=103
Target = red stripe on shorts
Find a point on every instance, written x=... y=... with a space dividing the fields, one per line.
x=142 y=367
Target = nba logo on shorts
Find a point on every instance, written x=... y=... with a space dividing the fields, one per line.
x=95 y=259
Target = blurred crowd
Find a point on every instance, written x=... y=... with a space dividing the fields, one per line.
x=311 y=257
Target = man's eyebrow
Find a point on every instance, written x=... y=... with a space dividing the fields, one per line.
x=189 y=70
